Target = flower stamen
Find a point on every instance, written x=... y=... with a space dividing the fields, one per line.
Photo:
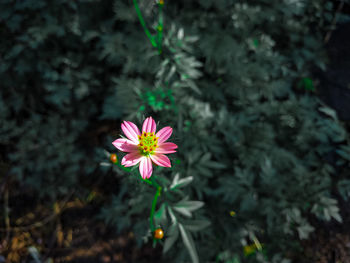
x=147 y=143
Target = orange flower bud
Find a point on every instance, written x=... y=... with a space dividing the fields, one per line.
x=158 y=233
x=114 y=158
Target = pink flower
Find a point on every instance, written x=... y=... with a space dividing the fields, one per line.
x=145 y=147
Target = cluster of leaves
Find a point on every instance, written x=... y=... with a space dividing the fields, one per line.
x=228 y=81
x=56 y=85
x=251 y=140
x=175 y=214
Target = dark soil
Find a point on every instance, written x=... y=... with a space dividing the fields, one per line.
x=67 y=232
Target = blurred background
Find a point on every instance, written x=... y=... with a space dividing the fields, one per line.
x=258 y=95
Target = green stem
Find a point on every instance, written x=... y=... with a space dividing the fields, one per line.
x=154 y=204
x=154 y=182
x=143 y=23
x=147 y=181
x=127 y=169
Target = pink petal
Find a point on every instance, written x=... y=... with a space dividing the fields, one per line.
x=131 y=131
x=164 y=134
x=125 y=145
x=149 y=125
x=166 y=147
x=161 y=160
x=145 y=167
x=131 y=159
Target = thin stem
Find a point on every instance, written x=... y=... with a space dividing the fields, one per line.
x=154 y=182
x=143 y=23
x=147 y=181
x=154 y=204
x=127 y=169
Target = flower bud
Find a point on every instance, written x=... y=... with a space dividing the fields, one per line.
x=114 y=158
x=158 y=233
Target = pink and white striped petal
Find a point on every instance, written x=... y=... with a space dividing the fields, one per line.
x=164 y=134
x=125 y=145
x=149 y=125
x=131 y=159
x=161 y=160
x=166 y=147
x=131 y=131
x=145 y=167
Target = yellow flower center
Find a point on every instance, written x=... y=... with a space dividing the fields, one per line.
x=147 y=143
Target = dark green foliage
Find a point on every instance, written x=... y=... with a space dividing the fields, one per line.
x=234 y=81
x=55 y=84
x=252 y=143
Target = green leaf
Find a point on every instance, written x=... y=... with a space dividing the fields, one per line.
x=248 y=202
x=180 y=183
x=171 y=73
x=215 y=165
x=344 y=152
x=344 y=188
x=183 y=210
x=173 y=235
x=305 y=230
x=196 y=225
x=326 y=209
x=185 y=207
x=160 y=216
x=189 y=244
x=307 y=84
x=172 y=216
x=328 y=111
